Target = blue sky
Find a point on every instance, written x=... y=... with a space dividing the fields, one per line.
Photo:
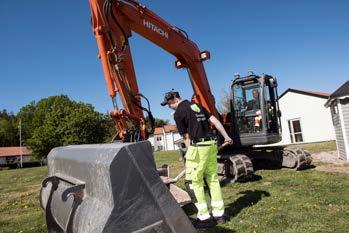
x=47 y=48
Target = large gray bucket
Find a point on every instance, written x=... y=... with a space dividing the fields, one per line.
x=108 y=188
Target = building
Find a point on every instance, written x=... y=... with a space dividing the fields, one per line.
x=304 y=118
x=12 y=155
x=165 y=138
x=338 y=102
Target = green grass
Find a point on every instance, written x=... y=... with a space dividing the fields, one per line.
x=276 y=201
x=20 y=210
x=282 y=200
x=319 y=146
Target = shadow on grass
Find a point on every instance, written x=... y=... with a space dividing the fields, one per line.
x=249 y=198
x=262 y=164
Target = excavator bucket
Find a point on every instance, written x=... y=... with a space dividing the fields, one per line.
x=108 y=188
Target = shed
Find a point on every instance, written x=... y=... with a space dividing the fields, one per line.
x=338 y=102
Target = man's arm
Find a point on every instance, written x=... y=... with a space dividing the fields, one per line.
x=186 y=140
x=218 y=125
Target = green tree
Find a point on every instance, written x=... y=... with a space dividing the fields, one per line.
x=59 y=121
x=158 y=122
x=8 y=129
x=161 y=122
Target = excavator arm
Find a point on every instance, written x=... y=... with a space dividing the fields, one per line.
x=113 y=22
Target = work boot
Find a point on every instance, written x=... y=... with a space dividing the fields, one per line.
x=202 y=224
x=222 y=219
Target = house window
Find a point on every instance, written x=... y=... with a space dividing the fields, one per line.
x=160 y=147
x=295 y=129
x=159 y=139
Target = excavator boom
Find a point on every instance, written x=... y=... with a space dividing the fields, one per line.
x=113 y=23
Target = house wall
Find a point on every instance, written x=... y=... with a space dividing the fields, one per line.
x=25 y=158
x=158 y=144
x=166 y=142
x=345 y=114
x=343 y=107
x=2 y=160
x=336 y=117
x=170 y=139
x=315 y=119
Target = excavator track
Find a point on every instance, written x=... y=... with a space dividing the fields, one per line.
x=234 y=168
x=296 y=158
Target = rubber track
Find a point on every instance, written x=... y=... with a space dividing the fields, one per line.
x=302 y=157
x=241 y=168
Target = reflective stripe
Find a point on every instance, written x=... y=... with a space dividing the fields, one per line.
x=217 y=213
x=217 y=203
x=201 y=206
x=204 y=216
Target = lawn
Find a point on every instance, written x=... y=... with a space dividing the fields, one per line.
x=275 y=201
x=319 y=146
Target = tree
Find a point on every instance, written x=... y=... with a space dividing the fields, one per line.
x=59 y=121
x=158 y=122
x=8 y=129
x=224 y=105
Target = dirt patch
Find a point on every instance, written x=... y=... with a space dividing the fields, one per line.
x=329 y=162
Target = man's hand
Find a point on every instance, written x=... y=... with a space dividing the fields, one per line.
x=227 y=141
x=220 y=128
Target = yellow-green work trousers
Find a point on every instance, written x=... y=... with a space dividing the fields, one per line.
x=201 y=162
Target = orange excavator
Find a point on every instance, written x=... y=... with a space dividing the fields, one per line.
x=113 y=23
x=116 y=187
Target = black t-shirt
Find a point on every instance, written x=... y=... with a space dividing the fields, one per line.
x=192 y=119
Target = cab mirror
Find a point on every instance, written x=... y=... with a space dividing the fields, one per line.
x=273 y=82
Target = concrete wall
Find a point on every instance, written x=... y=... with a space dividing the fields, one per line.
x=315 y=119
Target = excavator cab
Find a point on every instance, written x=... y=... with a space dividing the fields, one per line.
x=255 y=110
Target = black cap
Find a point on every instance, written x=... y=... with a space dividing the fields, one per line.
x=169 y=96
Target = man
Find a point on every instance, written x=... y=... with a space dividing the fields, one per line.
x=192 y=123
x=254 y=104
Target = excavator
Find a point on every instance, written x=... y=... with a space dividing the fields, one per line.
x=116 y=187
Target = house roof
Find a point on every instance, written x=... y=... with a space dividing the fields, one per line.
x=167 y=128
x=319 y=94
x=340 y=92
x=13 y=151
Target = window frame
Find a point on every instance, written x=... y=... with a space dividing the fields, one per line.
x=291 y=130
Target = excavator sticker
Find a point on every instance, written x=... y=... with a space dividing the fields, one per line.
x=154 y=28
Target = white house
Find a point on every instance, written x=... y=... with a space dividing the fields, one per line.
x=339 y=105
x=11 y=155
x=304 y=118
x=165 y=138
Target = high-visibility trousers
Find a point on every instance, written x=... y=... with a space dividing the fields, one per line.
x=201 y=162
